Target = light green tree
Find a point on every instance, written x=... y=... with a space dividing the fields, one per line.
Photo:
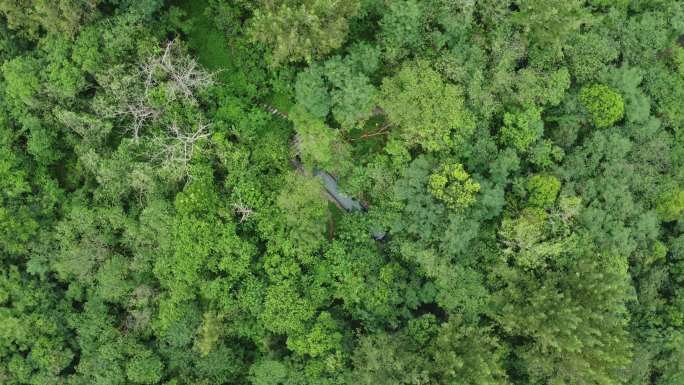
x=522 y=128
x=670 y=205
x=451 y=184
x=428 y=111
x=542 y=190
x=605 y=106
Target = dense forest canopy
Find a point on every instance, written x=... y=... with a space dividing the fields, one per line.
x=324 y=192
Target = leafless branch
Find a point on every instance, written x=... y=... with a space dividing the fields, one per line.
x=183 y=73
x=174 y=69
x=244 y=211
x=178 y=147
x=380 y=131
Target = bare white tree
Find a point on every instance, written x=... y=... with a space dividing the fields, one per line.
x=177 y=148
x=181 y=72
x=126 y=99
x=244 y=211
x=187 y=140
x=140 y=113
x=172 y=68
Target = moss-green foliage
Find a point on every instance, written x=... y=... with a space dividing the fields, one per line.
x=549 y=23
x=303 y=208
x=553 y=354
x=605 y=106
x=588 y=53
x=670 y=205
x=171 y=176
x=678 y=59
x=30 y=18
x=144 y=368
x=302 y=29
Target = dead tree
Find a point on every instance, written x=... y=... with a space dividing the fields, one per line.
x=180 y=71
x=244 y=211
x=177 y=147
x=174 y=69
